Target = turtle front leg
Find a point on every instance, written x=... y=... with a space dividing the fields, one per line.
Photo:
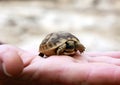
x=41 y=54
x=61 y=49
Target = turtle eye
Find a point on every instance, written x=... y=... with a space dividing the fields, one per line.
x=69 y=45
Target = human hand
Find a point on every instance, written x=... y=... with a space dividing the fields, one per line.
x=19 y=67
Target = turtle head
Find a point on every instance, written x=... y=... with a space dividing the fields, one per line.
x=70 y=46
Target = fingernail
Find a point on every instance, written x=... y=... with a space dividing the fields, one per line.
x=5 y=71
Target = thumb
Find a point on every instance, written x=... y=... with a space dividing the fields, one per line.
x=10 y=62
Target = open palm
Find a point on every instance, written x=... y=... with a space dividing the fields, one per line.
x=19 y=67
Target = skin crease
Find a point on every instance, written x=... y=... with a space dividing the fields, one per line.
x=19 y=67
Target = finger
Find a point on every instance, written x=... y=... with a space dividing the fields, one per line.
x=103 y=59
x=11 y=62
x=111 y=54
x=94 y=73
x=100 y=59
x=27 y=57
x=103 y=73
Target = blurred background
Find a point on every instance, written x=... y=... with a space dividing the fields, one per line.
x=24 y=23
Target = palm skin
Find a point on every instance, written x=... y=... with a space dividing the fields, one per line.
x=19 y=67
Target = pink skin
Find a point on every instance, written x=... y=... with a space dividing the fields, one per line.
x=19 y=67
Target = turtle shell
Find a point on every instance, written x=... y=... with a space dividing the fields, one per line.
x=53 y=40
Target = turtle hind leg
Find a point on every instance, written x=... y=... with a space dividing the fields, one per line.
x=41 y=54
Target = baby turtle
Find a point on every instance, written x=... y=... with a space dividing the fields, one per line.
x=60 y=43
